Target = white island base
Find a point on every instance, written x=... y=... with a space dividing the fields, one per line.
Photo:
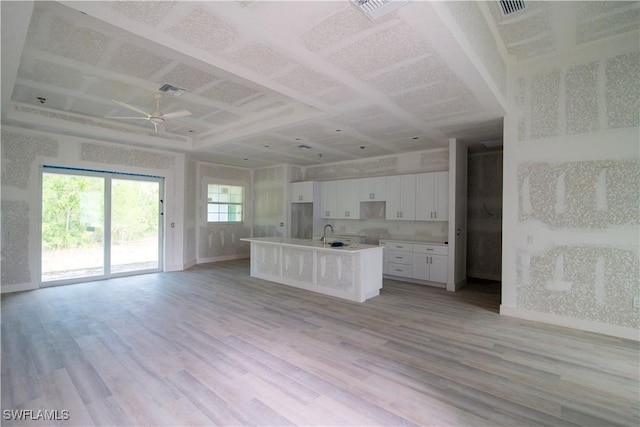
x=353 y=272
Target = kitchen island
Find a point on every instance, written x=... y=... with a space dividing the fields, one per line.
x=352 y=272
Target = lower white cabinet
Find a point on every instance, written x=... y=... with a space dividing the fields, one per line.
x=415 y=262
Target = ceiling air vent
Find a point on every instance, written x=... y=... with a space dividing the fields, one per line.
x=376 y=8
x=171 y=89
x=507 y=7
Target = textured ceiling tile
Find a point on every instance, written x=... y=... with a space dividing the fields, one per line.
x=81 y=44
x=368 y=151
x=474 y=24
x=133 y=60
x=111 y=89
x=205 y=31
x=600 y=19
x=307 y=81
x=30 y=96
x=170 y=103
x=54 y=74
x=337 y=27
x=223 y=118
x=187 y=77
x=259 y=58
x=430 y=94
x=529 y=35
x=380 y=50
x=229 y=92
x=89 y=108
x=445 y=109
x=338 y=95
x=429 y=70
x=149 y=12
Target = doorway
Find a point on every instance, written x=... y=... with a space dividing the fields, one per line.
x=484 y=216
x=97 y=224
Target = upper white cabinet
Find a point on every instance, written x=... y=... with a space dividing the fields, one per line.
x=302 y=192
x=348 y=199
x=328 y=199
x=401 y=197
x=373 y=189
x=432 y=196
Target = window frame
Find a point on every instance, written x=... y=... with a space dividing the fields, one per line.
x=241 y=204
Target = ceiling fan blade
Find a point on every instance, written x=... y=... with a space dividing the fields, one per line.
x=132 y=108
x=128 y=118
x=180 y=113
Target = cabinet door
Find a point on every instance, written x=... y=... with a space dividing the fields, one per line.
x=373 y=189
x=425 y=206
x=393 y=197
x=441 y=196
x=301 y=192
x=348 y=199
x=421 y=266
x=328 y=202
x=438 y=268
x=408 y=196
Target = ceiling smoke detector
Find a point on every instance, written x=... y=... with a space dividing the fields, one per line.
x=374 y=9
x=507 y=7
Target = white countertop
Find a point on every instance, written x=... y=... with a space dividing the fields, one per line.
x=410 y=239
x=314 y=244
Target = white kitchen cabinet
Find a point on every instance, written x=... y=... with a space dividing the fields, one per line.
x=373 y=189
x=432 y=196
x=328 y=199
x=401 y=197
x=416 y=262
x=348 y=199
x=302 y=192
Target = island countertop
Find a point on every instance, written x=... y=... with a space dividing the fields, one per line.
x=308 y=243
x=352 y=272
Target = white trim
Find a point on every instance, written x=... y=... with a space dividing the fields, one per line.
x=570 y=322
x=18 y=287
x=221 y=258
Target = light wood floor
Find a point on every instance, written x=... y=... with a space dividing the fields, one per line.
x=212 y=346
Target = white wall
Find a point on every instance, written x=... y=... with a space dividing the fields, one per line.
x=571 y=189
x=24 y=151
x=219 y=242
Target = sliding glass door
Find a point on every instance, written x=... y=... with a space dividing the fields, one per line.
x=98 y=225
x=135 y=213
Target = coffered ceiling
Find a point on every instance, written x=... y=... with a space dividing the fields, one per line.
x=263 y=78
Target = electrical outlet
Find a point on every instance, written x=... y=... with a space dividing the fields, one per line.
x=636 y=302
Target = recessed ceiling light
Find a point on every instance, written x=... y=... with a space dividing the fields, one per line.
x=267 y=146
x=415 y=137
x=362 y=147
x=338 y=130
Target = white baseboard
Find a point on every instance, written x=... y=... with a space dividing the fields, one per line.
x=222 y=258
x=18 y=287
x=570 y=322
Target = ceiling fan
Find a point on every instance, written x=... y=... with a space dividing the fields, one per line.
x=156 y=117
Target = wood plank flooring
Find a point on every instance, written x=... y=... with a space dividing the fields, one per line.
x=213 y=346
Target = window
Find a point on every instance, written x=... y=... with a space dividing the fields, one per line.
x=224 y=203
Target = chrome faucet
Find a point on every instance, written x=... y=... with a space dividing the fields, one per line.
x=324 y=233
